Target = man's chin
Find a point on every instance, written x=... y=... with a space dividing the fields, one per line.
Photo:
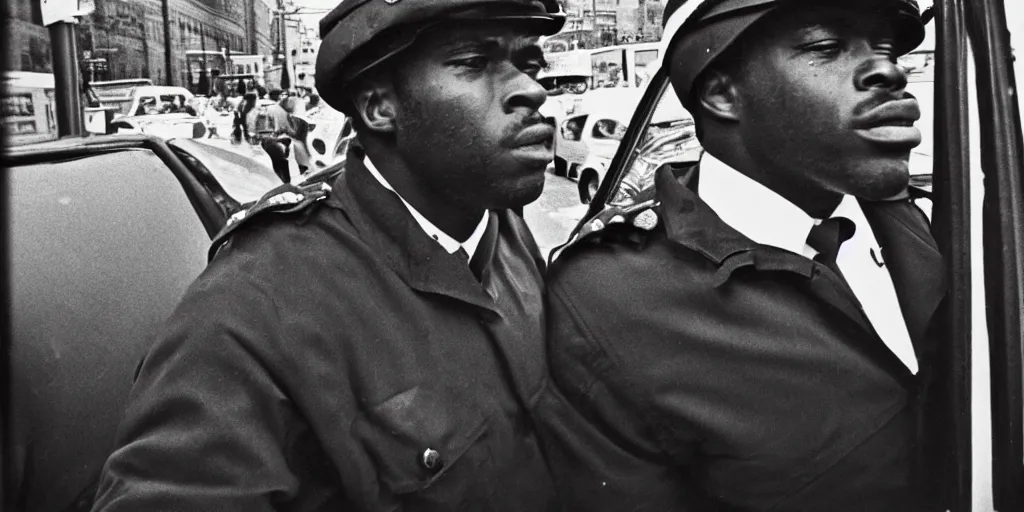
x=525 y=191
x=887 y=179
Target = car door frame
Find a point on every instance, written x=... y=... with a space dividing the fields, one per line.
x=1001 y=153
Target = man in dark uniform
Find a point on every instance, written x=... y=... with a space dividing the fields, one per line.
x=373 y=343
x=764 y=344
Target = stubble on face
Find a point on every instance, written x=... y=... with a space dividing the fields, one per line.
x=454 y=127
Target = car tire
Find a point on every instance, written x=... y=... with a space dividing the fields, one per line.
x=588 y=185
x=561 y=167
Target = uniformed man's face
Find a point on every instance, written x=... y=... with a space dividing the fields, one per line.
x=468 y=121
x=823 y=100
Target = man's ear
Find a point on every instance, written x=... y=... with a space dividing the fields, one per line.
x=717 y=94
x=376 y=105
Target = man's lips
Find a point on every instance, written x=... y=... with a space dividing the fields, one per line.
x=536 y=134
x=902 y=112
x=891 y=123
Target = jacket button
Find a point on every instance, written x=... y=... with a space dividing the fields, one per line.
x=432 y=460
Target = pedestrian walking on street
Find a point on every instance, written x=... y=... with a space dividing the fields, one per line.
x=272 y=126
x=298 y=130
x=373 y=341
x=770 y=341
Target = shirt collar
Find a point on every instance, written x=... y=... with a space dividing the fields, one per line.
x=444 y=239
x=751 y=208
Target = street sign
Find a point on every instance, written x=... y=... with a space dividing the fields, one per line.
x=55 y=11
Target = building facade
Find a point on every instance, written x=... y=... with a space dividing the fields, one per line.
x=596 y=23
x=127 y=38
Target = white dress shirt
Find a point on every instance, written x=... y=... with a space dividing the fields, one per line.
x=767 y=218
x=447 y=242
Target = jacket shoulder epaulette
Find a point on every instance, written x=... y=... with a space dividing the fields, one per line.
x=283 y=199
x=614 y=223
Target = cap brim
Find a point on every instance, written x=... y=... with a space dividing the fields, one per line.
x=547 y=25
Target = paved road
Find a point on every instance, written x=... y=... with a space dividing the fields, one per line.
x=554 y=215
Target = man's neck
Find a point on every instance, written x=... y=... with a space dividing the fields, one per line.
x=449 y=216
x=803 y=193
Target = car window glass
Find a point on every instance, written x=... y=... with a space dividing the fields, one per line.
x=572 y=128
x=606 y=68
x=643 y=59
x=123 y=105
x=667 y=137
x=101 y=250
x=113 y=92
x=609 y=129
x=232 y=179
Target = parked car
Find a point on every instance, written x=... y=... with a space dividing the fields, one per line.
x=167 y=126
x=149 y=99
x=571 y=141
x=586 y=141
x=106 y=232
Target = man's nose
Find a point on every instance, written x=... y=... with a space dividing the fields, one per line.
x=523 y=91
x=878 y=72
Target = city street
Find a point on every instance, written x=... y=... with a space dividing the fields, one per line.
x=551 y=217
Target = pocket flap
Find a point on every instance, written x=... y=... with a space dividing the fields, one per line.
x=418 y=436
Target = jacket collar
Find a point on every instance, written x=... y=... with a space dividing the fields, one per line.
x=914 y=261
x=384 y=223
x=690 y=222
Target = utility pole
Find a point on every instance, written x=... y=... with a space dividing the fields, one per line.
x=66 y=79
x=595 y=36
x=286 y=82
x=643 y=20
x=145 y=47
x=165 y=11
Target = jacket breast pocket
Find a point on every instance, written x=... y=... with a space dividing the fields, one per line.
x=427 y=443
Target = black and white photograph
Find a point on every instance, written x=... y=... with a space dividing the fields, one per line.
x=512 y=256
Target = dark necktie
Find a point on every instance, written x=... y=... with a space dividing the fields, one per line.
x=464 y=257
x=828 y=237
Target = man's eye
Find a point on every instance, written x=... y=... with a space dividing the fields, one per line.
x=477 y=62
x=828 y=48
x=533 y=66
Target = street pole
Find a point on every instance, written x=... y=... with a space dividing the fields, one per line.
x=643 y=20
x=165 y=11
x=145 y=49
x=595 y=36
x=286 y=79
x=66 y=79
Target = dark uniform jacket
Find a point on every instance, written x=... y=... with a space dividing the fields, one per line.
x=334 y=357
x=707 y=372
